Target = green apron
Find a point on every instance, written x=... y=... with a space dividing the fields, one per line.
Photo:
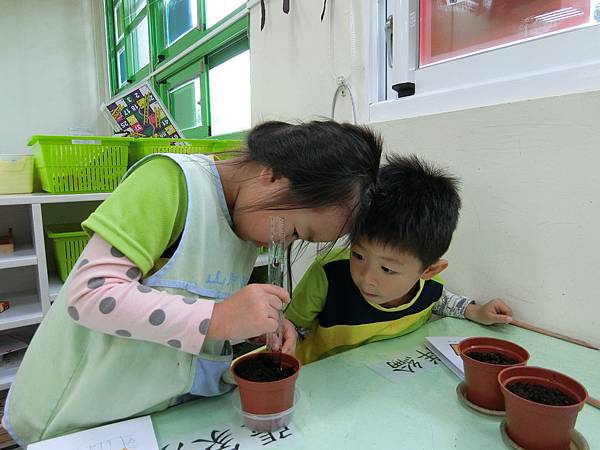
x=73 y=378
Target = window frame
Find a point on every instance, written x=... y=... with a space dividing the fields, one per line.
x=131 y=52
x=190 y=56
x=509 y=73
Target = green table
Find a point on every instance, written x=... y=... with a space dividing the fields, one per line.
x=346 y=405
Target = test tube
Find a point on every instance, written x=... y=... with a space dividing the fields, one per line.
x=275 y=271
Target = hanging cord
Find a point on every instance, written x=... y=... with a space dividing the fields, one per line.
x=342 y=88
x=342 y=80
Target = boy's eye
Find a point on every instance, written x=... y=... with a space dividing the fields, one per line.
x=386 y=270
x=357 y=256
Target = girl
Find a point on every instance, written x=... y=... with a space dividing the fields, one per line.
x=130 y=334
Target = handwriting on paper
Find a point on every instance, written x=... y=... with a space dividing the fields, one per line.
x=232 y=437
x=407 y=365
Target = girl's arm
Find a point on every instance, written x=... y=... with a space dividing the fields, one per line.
x=105 y=294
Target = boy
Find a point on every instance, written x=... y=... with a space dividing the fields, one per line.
x=387 y=284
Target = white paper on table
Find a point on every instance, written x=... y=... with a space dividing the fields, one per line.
x=407 y=364
x=134 y=434
x=446 y=349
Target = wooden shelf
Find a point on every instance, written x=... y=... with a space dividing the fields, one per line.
x=25 y=309
x=23 y=256
x=5 y=439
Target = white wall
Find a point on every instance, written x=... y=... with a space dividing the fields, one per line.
x=531 y=183
x=296 y=60
x=52 y=69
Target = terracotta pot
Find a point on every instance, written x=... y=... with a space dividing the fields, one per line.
x=481 y=377
x=536 y=426
x=268 y=397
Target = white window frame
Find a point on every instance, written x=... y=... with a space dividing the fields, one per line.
x=562 y=63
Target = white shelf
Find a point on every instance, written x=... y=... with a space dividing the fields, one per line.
x=23 y=256
x=262 y=260
x=25 y=309
x=7 y=375
x=40 y=197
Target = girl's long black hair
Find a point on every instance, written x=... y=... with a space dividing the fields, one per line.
x=327 y=163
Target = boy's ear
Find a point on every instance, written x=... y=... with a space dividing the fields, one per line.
x=434 y=269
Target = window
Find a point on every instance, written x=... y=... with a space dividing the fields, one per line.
x=140 y=46
x=217 y=9
x=211 y=97
x=180 y=17
x=128 y=41
x=442 y=55
x=461 y=27
x=186 y=104
x=229 y=82
x=195 y=52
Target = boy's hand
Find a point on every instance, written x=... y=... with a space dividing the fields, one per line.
x=290 y=337
x=251 y=311
x=494 y=311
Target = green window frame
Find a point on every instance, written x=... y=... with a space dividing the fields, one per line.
x=122 y=22
x=189 y=58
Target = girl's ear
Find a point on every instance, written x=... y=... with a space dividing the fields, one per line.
x=267 y=175
x=434 y=269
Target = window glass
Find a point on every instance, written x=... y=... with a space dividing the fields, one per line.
x=141 y=45
x=180 y=17
x=118 y=14
x=217 y=9
x=453 y=28
x=121 y=67
x=135 y=7
x=230 y=95
x=185 y=104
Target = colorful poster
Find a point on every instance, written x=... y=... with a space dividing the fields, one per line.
x=140 y=113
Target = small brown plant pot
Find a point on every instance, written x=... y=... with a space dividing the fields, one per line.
x=481 y=377
x=534 y=425
x=266 y=398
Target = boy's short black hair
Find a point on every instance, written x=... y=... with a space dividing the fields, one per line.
x=414 y=207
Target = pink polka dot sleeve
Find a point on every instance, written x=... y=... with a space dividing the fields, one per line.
x=105 y=294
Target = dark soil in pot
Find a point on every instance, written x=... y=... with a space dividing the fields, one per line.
x=262 y=368
x=541 y=394
x=492 y=358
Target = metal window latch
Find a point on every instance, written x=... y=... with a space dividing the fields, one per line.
x=389 y=36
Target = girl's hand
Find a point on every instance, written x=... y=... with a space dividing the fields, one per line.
x=251 y=311
x=494 y=311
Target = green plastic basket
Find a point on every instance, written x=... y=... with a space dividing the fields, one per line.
x=76 y=164
x=68 y=241
x=142 y=147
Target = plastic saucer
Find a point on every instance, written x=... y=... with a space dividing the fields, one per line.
x=461 y=392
